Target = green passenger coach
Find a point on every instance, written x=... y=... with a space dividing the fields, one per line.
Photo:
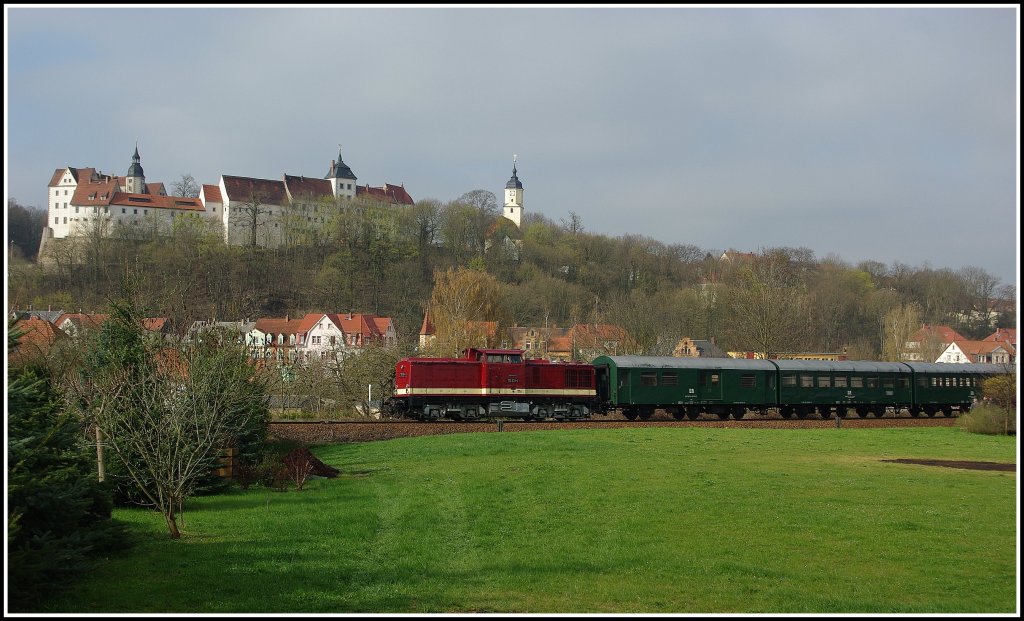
x=638 y=385
x=943 y=387
x=836 y=387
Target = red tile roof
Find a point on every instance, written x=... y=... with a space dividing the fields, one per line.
x=212 y=193
x=38 y=336
x=242 y=189
x=1003 y=335
x=388 y=193
x=153 y=201
x=307 y=187
x=428 y=326
x=82 y=320
x=91 y=193
x=945 y=334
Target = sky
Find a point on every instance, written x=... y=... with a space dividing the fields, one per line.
x=886 y=133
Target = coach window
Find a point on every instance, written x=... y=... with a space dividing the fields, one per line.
x=840 y=381
x=806 y=381
x=856 y=381
x=872 y=382
x=888 y=382
x=669 y=379
x=747 y=380
x=922 y=381
x=789 y=381
x=934 y=382
x=714 y=380
x=904 y=382
x=824 y=381
x=648 y=379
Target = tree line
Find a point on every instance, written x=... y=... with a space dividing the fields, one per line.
x=383 y=259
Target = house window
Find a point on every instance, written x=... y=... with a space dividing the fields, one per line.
x=76 y=208
x=332 y=340
x=123 y=210
x=56 y=220
x=316 y=340
x=65 y=220
x=135 y=212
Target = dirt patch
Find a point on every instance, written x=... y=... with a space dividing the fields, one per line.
x=968 y=465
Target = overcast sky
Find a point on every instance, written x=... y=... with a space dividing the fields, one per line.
x=866 y=133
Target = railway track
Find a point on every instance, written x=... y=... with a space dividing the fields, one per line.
x=324 y=432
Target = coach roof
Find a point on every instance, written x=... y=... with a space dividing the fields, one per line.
x=671 y=362
x=841 y=366
x=949 y=367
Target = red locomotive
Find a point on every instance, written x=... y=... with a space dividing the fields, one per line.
x=490 y=383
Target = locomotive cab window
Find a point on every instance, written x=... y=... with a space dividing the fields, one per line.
x=648 y=379
x=747 y=380
x=789 y=381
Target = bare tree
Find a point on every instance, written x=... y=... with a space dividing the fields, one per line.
x=166 y=413
x=900 y=325
x=254 y=212
x=186 y=186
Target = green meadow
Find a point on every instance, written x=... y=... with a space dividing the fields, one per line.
x=646 y=520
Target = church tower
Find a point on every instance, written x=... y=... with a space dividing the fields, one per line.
x=135 y=180
x=513 y=209
x=343 y=180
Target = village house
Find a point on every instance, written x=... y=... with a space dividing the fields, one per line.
x=928 y=343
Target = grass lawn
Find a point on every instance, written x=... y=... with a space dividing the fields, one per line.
x=647 y=520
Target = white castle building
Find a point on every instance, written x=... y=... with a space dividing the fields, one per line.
x=245 y=209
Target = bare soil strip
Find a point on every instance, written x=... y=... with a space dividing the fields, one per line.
x=947 y=463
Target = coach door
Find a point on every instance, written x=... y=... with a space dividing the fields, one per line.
x=710 y=382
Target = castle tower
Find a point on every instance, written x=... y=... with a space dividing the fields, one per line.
x=513 y=209
x=135 y=180
x=343 y=180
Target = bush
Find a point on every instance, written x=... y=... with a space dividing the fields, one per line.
x=988 y=419
x=58 y=514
